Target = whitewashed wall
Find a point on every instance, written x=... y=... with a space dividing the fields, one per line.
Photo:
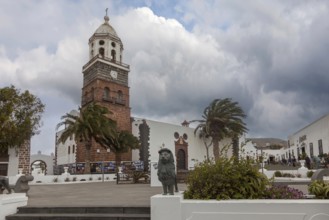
x=13 y=162
x=176 y=208
x=315 y=131
x=48 y=159
x=63 y=157
x=162 y=135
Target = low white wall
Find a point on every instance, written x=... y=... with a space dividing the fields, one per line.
x=50 y=179
x=176 y=208
x=10 y=202
x=302 y=172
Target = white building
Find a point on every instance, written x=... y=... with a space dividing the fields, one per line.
x=313 y=139
x=42 y=164
x=153 y=135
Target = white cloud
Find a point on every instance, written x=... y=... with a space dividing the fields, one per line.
x=269 y=56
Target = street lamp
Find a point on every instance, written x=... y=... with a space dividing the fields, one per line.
x=261 y=154
x=103 y=158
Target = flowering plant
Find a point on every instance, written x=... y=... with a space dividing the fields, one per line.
x=283 y=192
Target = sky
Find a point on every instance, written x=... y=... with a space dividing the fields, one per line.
x=269 y=56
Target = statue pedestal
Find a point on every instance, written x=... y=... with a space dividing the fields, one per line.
x=10 y=202
x=302 y=170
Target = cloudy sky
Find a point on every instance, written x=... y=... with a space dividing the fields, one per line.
x=270 y=56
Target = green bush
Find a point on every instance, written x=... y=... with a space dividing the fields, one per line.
x=226 y=179
x=309 y=173
x=277 y=174
x=137 y=175
x=320 y=189
x=288 y=175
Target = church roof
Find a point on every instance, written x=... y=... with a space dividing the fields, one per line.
x=106 y=28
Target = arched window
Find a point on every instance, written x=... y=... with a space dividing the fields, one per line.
x=120 y=95
x=113 y=55
x=92 y=93
x=106 y=93
x=181 y=160
x=92 y=53
x=73 y=149
x=69 y=150
x=101 y=51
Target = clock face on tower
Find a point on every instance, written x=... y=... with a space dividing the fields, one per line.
x=114 y=74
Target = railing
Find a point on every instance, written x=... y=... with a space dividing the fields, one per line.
x=107 y=59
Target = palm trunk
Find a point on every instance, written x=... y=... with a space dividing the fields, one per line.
x=216 y=148
x=87 y=165
x=235 y=146
x=117 y=160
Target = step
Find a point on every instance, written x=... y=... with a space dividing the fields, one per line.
x=83 y=213
x=127 y=210
x=76 y=216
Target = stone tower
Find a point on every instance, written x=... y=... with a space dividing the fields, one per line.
x=105 y=82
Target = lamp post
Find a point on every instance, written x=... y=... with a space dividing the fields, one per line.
x=103 y=158
x=261 y=154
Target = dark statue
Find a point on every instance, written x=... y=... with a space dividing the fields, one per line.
x=22 y=184
x=4 y=184
x=166 y=171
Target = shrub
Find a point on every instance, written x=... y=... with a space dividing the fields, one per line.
x=288 y=175
x=90 y=178
x=309 y=173
x=137 y=175
x=67 y=179
x=107 y=178
x=55 y=180
x=320 y=189
x=226 y=179
x=298 y=175
x=74 y=179
x=277 y=174
x=99 y=178
x=283 y=192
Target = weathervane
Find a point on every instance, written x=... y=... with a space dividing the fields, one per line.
x=106 y=11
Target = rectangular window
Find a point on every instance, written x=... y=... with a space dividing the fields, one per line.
x=311 y=150
x=320 y=147
x=4 y=156
x=3 y=169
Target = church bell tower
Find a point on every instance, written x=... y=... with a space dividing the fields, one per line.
x=105 y=82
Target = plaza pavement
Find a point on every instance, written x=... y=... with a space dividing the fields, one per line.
x=92 y=194
x=97 y=194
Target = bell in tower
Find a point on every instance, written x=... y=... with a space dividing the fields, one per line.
x=106 y=43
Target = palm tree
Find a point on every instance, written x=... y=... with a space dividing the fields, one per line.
x=222 y=118
x=91 y=124
x=205 y=138
x=120 y=142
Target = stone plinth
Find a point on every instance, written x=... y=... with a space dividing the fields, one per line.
x=10 y=202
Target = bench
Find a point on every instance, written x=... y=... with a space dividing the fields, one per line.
x=317 y=175
x=124 y=178
x=21 y=185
